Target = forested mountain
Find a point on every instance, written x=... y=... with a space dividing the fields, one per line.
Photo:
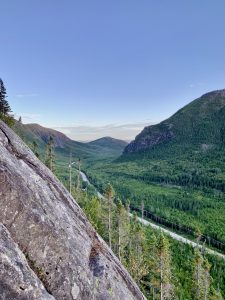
x=108 y=142
x=177 y=168
x=200 y=123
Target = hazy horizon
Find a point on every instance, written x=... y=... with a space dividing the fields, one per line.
x=126 y=132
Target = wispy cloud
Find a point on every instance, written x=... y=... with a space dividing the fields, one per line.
x=26 y=95
x=88 y=133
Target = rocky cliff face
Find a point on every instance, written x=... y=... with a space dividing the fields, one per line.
x=48 y=249
x=151 y=136
x=17 y=280
x=201 y=122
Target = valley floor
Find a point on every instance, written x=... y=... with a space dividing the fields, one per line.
x=167 y=231
x=181 y=238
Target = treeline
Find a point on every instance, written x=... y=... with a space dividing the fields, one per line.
x=147 y=253
x=185 y=179
x=192 y=178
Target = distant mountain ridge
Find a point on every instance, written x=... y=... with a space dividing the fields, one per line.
x=60 y=139
x=102 y=148
x=108 y=141
x=199 y=122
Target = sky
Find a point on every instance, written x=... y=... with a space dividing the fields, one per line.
x=98 y=67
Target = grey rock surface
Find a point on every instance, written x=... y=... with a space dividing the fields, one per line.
x=59 y=244
x=151 y=136
x=17 y=280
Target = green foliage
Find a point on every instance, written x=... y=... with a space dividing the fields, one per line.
x=183 y=188
x=94 y=210
x=4 y=106
x=181 y=179
x=34 y=148
x=50 y=156
x=157 y=263
x=164 y=267
x=8 y=119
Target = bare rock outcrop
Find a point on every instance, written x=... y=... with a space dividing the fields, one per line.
x=60 y=246
x=149 y=137
x=199 y=122
x=17 y=280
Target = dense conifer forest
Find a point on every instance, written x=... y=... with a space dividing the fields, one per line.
x=162 y=266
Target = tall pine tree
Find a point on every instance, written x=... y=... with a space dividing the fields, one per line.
x=137 y=263
x=50 y=156
x=34 y=148
x=4 y=105
x=109 y=194
x=123 y=227
x=164 y=269
x=198 y=282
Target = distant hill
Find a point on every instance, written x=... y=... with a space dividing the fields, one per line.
x=200 y=123
x=108 y=142
x=60 y=139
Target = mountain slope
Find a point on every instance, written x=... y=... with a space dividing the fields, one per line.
x=60 y=139
x=59 y=244
x=201 y=123
x=177 y=168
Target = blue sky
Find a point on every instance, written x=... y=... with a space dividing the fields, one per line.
x=94 y=64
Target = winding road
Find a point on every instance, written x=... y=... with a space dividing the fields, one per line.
x=180 y=238
x=168 y=232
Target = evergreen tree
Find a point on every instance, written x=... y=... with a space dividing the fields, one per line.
x=78 y=175
x=164 y=268
x=137 y=263
x=215 y=295
x=123 y=230
x=35 y=148
x=202 y=279
x=50 y=157
x=94 y=211
x=152 y=265
x=109 y=194
x=206 y=279
x=4 y=105
x=198 y=277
